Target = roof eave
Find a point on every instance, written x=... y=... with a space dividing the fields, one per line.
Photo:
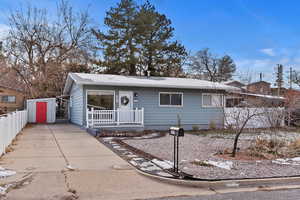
x=68 y=84
x=158 y=86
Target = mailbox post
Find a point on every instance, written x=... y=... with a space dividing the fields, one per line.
x=176 y=132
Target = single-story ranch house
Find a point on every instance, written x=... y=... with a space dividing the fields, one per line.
x=144 y=103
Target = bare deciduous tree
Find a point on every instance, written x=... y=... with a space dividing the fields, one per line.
x=261 y=115
x=205 y=65
x=237 y=120
x=246 y=76
x=43 y=50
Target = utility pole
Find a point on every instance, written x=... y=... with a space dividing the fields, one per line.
x=291 y=78
x=279 y=76
x=260 y=76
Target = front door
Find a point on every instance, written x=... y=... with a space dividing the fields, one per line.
x=126 y=106
x=41 y=112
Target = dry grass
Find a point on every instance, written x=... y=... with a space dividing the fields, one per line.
x=270 y=149
x=293 y=149
x=267 y=149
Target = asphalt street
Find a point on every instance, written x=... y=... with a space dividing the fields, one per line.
x=260 y=195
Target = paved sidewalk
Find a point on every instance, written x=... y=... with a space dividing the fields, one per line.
x=46 y=150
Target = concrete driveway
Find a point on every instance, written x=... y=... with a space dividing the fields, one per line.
x=46 y=150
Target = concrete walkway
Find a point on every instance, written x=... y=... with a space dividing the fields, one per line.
x=46 y=150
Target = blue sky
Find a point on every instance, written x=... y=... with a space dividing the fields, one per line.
x=258 y=34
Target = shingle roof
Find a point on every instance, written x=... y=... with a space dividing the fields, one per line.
x=142 y=81
x=258 y=82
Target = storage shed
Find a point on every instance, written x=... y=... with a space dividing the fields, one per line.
x=41 y=110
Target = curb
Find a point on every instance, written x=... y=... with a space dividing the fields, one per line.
x=261 y=184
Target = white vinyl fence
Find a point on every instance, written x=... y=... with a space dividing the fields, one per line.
x=263 y=117
x=10 y=125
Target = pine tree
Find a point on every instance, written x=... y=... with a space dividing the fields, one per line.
x=158 y=53
x=226 y=68
x=118 y=43
x=139 y=40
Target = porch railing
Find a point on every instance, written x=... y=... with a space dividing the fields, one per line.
x=114 y=118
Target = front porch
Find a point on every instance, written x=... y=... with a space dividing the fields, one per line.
x=112 y=108
x=115 y=118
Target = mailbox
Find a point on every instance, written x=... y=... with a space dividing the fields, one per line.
x=176 y=131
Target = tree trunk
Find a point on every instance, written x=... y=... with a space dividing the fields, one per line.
x=132 y=70
x=236 y=139
x=150 y=66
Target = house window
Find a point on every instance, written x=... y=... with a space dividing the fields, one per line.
x=212 y=100
x=100 y=100
x=8 y=99
x=233 y=102
x=170 y=99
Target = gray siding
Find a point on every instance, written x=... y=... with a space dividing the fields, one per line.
x=160 y=118
x=76 y=104
x=192 y=112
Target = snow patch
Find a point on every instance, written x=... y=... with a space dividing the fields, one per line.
x=224 y=165
x=108 y=138
x=287 y=161
x=70 y=167
x=146 y=164
x=164 y=174
x=132 y=156
x=137 y=159
x=151 y=168
x=5 y=173
x=133 y=163
x=296 y=159
x=163 y=164
x=4 y=188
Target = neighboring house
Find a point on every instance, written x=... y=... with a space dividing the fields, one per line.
x=282 y=91
x=292 y=98
x=11 y=93
x=260 y=87
x=144 y=102
x=254 y=94
x=239 y=99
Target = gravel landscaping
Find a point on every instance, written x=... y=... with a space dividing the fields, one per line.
x=198 y=148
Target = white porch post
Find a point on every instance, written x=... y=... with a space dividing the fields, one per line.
x=136 y=115
x=87 y=117
x=92 y=123
x=142 y=116
x=118 y=116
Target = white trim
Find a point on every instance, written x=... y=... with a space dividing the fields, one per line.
x=86 y=94
x=116 y=126
x=42 y=99
x=177 y=106
x=213 y=106
x=86 y=103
